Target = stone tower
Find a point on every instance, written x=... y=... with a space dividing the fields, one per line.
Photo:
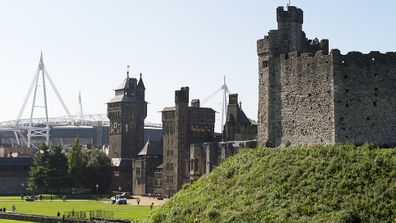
x=310 y=96
x=289 y=37
x=182 y=126
x=126 y=111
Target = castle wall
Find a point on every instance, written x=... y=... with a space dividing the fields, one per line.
x=365 y=98
x=269 y=114
x=307 y=99
x=169 y=152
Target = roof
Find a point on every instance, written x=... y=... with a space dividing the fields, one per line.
x=124 y=84
x=242 y=118
x=151 y=149
x=122 y=98
x=168 y=109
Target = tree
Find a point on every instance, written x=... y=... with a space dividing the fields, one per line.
x=38 y=175
x=57 y=169
x=77 y=163
x=49 y=170
x=98 y=171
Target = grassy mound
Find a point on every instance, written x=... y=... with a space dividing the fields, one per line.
x=320 y=184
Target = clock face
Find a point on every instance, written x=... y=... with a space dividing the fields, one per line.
x=115 y=127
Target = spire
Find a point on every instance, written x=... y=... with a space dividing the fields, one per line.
x=141 y=84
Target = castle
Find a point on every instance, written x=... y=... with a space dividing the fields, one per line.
x=189 y=146
x=308 y=95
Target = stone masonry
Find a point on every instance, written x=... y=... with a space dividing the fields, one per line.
x=309 y=96
x=183 y=125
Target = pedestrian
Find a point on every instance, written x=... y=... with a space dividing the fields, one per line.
x=51 y=197
x=151 y=206
x=58 y=214
x=138 y=201
x=13 y=208
x=41 y=197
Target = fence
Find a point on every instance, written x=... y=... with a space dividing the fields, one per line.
x=94 y=214
x=50 y=219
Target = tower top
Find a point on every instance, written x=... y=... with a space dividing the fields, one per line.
x=292 y=14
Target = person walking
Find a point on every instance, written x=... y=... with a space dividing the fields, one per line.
x=13 y=208
x=151 y=206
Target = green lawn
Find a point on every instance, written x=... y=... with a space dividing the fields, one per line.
x=51 y=208
x=13 y=221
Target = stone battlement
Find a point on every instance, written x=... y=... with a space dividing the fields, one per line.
x=295 y=54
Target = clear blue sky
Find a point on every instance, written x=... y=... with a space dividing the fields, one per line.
x=87 y=45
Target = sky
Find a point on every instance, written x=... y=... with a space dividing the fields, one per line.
x=88 y=44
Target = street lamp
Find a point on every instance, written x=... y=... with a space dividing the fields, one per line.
x=22 y=186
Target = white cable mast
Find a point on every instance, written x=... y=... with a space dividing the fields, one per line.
x=226 y=92
x=43 y=129
x=80 y=114
x=225 y=104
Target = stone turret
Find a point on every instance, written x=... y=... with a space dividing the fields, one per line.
x=290 y=24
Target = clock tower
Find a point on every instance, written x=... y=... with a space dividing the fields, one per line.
x=126 y=111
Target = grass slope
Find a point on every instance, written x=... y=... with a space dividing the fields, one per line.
x=320 y=184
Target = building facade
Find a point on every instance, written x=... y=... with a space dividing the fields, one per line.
x=238 y=126
x=126 y=111
x=144 y=168
x=239 y=132
x=183 y=125
x=14 y=173
x=308 y=95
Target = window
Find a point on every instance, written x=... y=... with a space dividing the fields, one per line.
x=196 y=165
x=169 y=166
x=137 y=171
